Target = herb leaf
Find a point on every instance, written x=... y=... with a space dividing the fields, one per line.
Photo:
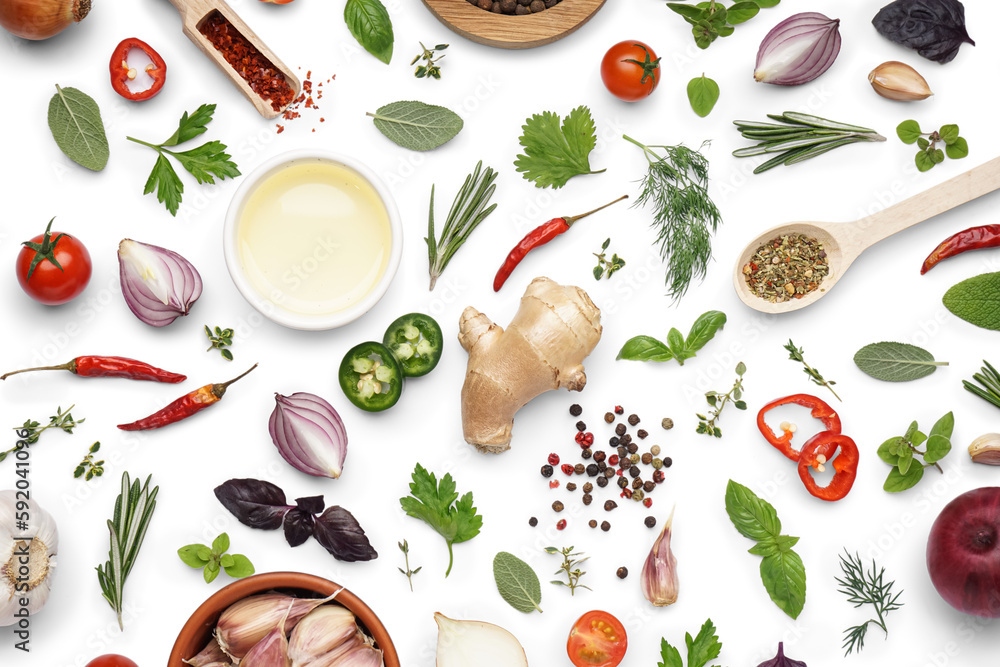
x=704 y=329
x=934 y=28
x=517 y=582
x=645 y=348
x=703 y=92
x=254 y=502
x=554 y=153
x=896 y=362
x=784 y=578
x=342 y=536
x=700 y=650
x=369 y=22
x=417 y=126
x=76 y=125
x=976 y=300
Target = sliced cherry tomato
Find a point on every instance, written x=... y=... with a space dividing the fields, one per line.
x=630 y=70
x=53 y=267
x=371 y=377
x=111 y=660
x=597 y=640
x=417 y=342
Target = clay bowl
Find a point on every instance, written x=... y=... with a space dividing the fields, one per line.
x=198 y=630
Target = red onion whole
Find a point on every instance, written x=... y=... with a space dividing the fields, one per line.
x=309 y=434
x=798 y=49
x=963 y=552
x=158 y=284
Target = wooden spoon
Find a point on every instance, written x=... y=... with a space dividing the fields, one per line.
x=193 y=14
x=845 y=241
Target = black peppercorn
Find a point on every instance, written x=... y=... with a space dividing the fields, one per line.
x=610 y=472
x=602 y=482
x=579 y=468
x=642 y=433
x=667 y=462
x=632 y=448
x=570 y=486
x=587 y=499
x=580 y=426
x=605 y=526
x=647 y=458
x=592 y=470
x=588 y=487
x=637 y=483
x=592 y=523
x=613 y=441
x=546 y=470
x=648 y=486
x=575 y=410
x=622 y=482
x=609 y=417
x=633 y=419
x=625 y=440
x=557 y=506
x=609 y=505
x=586 y=453
x=600 y=455
x=620 y=429
x=532 y=522
x=602 y=466
x=622 y=572
x=650 y=521
x=634 y=471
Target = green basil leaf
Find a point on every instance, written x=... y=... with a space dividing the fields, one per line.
x=221 y=544
x=743 y=11
x=645 y=348
x=517 y=582
x=191 y=557
x=897 y=482
x=908 y=131
x=241 y=567
x=703 y=93
x=704 y=329
x=957 y=150
x=369 y=22
x=784 y=577
x=675 y=339
x=976 y=300
x=753 y=517
x=948 y=134
x=896 y=362
x=938 y=447
x=76 y=125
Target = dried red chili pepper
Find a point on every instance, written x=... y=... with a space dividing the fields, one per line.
x=820 y=411
x=121 y=73
x=539 y=237
x=183 y=407
x=974 y=238
x=109 y=367
x=817 y=451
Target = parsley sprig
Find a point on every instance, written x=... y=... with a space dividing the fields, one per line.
x=700 y=650
x=866 y=587
x=554 y=152
x=204 y=162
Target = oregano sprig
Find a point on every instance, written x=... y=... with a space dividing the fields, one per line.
x=404 y=546
x=901 y=453
x=955 y=146
x=214 y=559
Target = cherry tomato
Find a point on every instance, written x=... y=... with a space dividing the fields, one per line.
x=62 y=271
x=630 y=70
x=597 y=640
x=111 y=660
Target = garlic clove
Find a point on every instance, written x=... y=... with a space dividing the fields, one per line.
x=986 y=449
x=272 y=650
x=209 y=656
x=322 y=630
x=246 y=622
x=898 y=81
x=331 y=658
x=659 y=573
x=465 y=643
x=359 y=656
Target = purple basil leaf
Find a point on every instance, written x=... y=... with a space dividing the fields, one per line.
x=781 y=661
x=298 y=526
x=341 y=534
x=934 y=28
x=311 y=505
x=255 y=503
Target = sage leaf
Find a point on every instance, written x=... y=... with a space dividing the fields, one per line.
x=517 y=582
x=645 y=348
x=417 y=126
x=703 y=92
x=76 y=125
x=369 y=22
x=896 y=362
x=976 y=300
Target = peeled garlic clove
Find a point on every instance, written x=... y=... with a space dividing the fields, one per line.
x=320 y=631
x=272 y=650
x=309 y=434
x=209 y=656
x=659 y=574
x=986 y=449
x=898 y=81
x=466 y=643
x=246 y=622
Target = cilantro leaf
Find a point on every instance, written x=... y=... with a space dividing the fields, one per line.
x=167 y=184
x=552 y=153
x=206 y=160
x=700 y=650
x=191 y=126
x=434 y=503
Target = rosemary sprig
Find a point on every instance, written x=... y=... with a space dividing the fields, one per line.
x=30 y=430
x=675 y=187
x=862 y=588
x=570 y=567
x=988 y=378
x=718 y=402
x=220 y=341
x=795 y=354
x=467 y=211
x=89 y=466
x=133 y=509
x=405 y=548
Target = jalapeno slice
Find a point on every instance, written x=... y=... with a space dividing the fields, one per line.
x=371 y=377
x=416 y=341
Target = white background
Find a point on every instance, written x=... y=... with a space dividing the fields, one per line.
x=883 y=298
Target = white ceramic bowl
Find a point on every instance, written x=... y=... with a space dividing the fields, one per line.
x=269 y=307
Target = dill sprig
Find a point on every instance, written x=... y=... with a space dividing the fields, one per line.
x=675 y=186
x=865 y=587
x=795 y=354
x=570 y=567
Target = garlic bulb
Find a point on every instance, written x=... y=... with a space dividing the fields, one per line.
x=659 y=574
x=38 y=554
x=322 y=630
x=467 y=643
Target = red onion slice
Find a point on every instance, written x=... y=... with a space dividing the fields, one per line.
x=798 y=49
x=158 y=284
x=309 y=434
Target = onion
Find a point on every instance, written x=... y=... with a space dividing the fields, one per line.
x=963 y=552
x=798 y=49
x=309 y=434
x=158 y=284
x=464 y=643
x=41 y=19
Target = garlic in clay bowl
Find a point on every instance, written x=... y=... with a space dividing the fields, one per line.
x=37 y=555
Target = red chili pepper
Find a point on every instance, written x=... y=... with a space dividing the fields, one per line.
x=109 y=367
x=974 y=238
x=539 y=237
x=820 y=411
x=121 y=73
x=817 y=451
x=183 y=407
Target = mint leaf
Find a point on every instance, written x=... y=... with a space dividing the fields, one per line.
x=976 y=300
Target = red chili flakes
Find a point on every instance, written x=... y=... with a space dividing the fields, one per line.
x=311 y=93
x=256 y=69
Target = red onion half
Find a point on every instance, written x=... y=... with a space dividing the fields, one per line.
x=798 y=49
x=158 y=284
x=309 y=434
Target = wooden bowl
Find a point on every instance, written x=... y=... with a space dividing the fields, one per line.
x=197 y=632
x=510 y=31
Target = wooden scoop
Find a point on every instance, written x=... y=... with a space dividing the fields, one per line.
x=194 y=12
x=845 y=241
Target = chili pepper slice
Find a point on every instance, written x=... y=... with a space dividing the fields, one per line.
x=371 y=377
x=121 y=73
x=109 y=367
x=820 y=410
x=183 y=407
x=974 y=238
x=817 y=451
x=416 y=341
x=539 y=237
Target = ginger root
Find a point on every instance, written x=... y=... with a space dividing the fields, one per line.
x=543 y=348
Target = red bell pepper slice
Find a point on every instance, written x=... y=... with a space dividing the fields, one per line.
x=820 y=411
x=121 y=73
x=817 y=451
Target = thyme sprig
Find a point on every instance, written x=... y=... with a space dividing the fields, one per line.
x=429 y=69
x=718 y=401
x=675 y=188
x=222 y=339
x=30 y=431
x=795 y=354
x=606 y=267
x=89 y=466
x=866 y=587
x=404 y=546
x=570 y=567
